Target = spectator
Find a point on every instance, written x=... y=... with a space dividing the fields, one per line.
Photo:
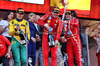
x=5 y=31
x=39 y=54
x=5 y=48
x=63 y=41
x=47 y=21
x=4 y=25
x=84 y=53
x=0 y=19
x=97 y=40
x=32 y=43
x=17 y=29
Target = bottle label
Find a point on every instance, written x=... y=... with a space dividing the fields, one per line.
x=51 y=29
x=65 y=27
x=69 y=32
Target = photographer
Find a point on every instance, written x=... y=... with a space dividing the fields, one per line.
x=32 y=43
x=97 y=40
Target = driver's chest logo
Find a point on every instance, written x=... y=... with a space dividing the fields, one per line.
x=49 y=19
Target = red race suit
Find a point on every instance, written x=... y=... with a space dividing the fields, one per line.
x=71 y=29
x=4 y=42
x=57 y=25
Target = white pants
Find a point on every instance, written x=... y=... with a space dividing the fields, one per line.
x=39 y=55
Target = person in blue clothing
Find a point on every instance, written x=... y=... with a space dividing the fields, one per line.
x=32 y=43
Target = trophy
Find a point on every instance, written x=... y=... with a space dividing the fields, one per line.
x=22 y=37
x=30 y=61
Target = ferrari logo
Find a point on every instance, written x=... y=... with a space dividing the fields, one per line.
x=48 y=21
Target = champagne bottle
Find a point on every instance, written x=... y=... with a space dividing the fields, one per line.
x=22 y=37
x=50 y=39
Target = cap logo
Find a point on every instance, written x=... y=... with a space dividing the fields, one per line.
x=21 y=10
x=69 y=11
x=56 y=9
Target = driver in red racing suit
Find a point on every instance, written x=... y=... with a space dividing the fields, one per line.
x=71 y=30
x=47 y=21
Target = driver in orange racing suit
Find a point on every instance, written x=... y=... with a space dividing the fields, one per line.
x=47 y=21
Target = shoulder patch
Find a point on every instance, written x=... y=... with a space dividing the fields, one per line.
x=12 y=22
x=50 y=18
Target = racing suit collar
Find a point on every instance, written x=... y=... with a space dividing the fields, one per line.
x=19 y=20
x=53 y=17
x=73 y=18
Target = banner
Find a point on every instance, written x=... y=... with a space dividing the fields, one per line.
x=95 y=9
x=38 y=7
x=31 y=1
x=82 y=7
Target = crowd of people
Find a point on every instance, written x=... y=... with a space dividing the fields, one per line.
x=97 y=40
x=30 y=42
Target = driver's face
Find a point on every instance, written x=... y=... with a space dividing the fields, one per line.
x=68 y=16
x=20 y=15
x=55 y=14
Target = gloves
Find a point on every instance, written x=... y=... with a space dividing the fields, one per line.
x=47 y=26
x=56 y=41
